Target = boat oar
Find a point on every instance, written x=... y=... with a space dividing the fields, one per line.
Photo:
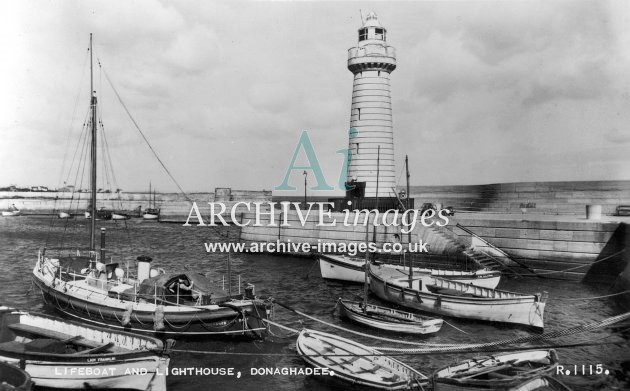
x=485 y=371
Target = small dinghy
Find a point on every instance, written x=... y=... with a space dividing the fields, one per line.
x=120 y=216
x=389 y=319
x=13 y=211
x=62 y=354
x=357 y=364
x=541 y=383
x=497 y=372
x=13 y=378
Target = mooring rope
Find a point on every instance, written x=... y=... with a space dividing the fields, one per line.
x=599 y=297
x=527 y=339
x=581 y=266
x=428 y=347
x=380 y=354
x=357 y=332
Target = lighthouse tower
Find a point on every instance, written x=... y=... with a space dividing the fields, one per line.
x=372 y=62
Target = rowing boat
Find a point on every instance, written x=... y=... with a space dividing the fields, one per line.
x=541 y=383
x=389 y=319
x=351 y=269
x=452 y=298
x=63 y=354
x=495 y=372
x=352 y=362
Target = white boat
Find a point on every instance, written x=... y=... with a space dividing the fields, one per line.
x=385 y=318
x=357 y=364
x=148 y=215
x=496 y=372
x=64 y=215
x=93 y=285
x=351 y=269
x=67 y=355
x=13 y=211
x=120 y=216
x=452 y=298
x=541 y=383
x=152 y=212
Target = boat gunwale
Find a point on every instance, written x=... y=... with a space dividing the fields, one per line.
x=514 y=295
x=344 y=374
x=517 y=379
x=417 y=317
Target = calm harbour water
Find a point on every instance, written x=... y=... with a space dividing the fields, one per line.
x=173 y=247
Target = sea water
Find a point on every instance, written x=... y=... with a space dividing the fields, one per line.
x=295 y=281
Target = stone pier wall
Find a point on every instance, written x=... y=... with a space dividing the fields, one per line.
x=556 y=198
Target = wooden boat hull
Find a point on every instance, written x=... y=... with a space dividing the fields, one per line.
x=480 y=373
x=238 y=318
x=138 y=368
x=15 y=378
x=133 y=374
x=505 y=307
x=541 y=383
x=337 y=267
x=389 y=319
x=351 y=362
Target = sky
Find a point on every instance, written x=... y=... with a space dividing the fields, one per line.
x=484 y=91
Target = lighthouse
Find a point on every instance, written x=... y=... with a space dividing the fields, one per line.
x=371 y=135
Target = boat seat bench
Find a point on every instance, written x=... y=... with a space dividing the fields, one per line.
x=34 y=330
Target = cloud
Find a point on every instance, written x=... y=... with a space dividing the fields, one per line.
x=223 y=89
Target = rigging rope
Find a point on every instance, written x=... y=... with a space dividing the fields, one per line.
x=141 y=133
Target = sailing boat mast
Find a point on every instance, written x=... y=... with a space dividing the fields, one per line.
x=92 y=155
x=367 y=235
x=378 y=166
x=409 y=233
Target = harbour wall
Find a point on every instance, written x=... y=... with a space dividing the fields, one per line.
x=556 y=198
x=557 y=247
x=173 y=206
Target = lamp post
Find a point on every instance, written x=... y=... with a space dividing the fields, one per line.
x=305 y=177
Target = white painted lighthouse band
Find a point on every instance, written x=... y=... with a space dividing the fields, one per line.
x=371 y=126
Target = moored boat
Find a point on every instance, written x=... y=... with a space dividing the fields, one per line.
x=87 y=284
x=452 y=298
x=63 y=354
x=358 y=364
x=389 y=319
x=120 y=216
x=170 y=305
x=13 y=378
x=496 y=372
x=351 y=269
x=541 y=383
x=12 y=211
x=152 y=212
x=64 y=215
